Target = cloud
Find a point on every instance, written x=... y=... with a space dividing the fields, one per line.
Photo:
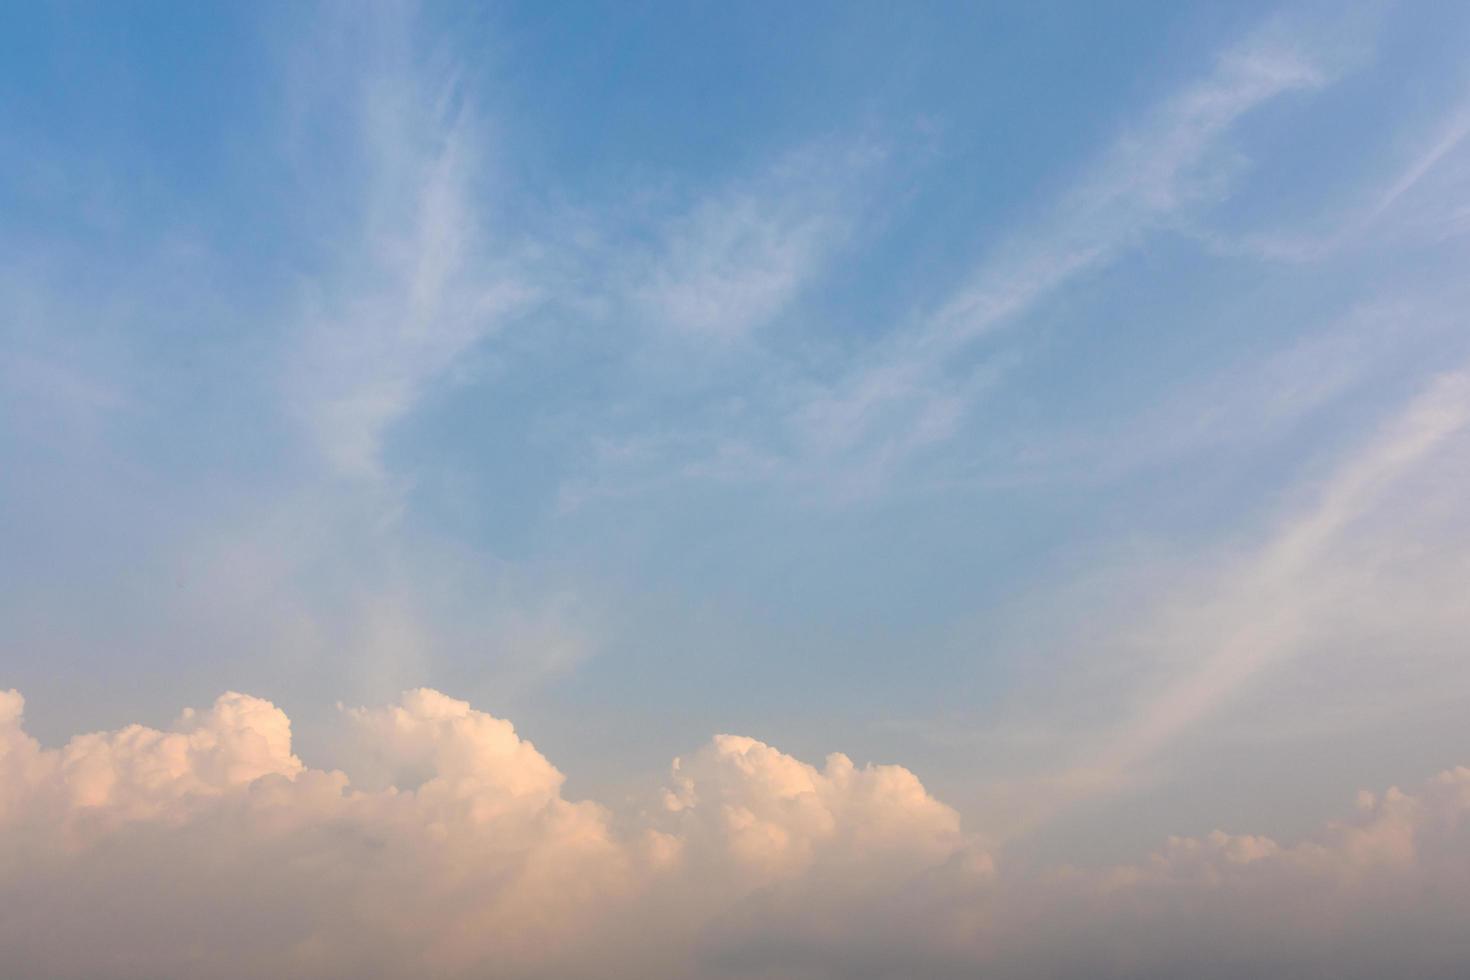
x=412 y=281
x=738 y=257
x=1286 y=582
x=734 y=262
x=913 y=390
x=1352 y=900
x=1253 y=402
x=1451 y=133
x=477 y=859
x=210 y=849
x=1339 y=614
x=1412 y=204
x=769 y=814
x=464 y=858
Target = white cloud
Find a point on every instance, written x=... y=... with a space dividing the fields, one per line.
x=1452 y=131
x=776 y=817
x=477 y=860
x=913 y=391
x=211 y=850
x=1342 y=611
x=1415 y=202
x=1258 y=612
x=464 y=857
x=737 y=258
x=413 y=282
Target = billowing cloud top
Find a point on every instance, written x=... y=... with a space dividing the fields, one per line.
x=210 y=849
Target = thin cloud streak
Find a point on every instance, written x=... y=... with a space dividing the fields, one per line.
x=1379 y=213
x=1258 y=613
x=737 y=259
x=844 y=439
x=914 y=392
x=419 y=284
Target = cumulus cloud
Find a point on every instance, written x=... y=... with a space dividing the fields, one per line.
x=1376 y=894
x=774 y=816
x=210 y=849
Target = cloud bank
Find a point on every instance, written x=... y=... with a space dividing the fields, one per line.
x=448 y=849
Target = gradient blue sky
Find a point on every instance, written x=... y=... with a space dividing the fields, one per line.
x=1065 y=401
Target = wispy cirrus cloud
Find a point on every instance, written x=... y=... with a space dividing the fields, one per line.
x=1257 y=401
x=915 y=389
x=1364 y=566
x=1415 y=202
x=288 y=367
x=739 y=257
x=412 y=279
x=1261 y=610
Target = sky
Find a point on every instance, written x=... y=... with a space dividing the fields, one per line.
x=846 y=489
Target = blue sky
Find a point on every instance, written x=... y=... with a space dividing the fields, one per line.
x=1064 y=401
